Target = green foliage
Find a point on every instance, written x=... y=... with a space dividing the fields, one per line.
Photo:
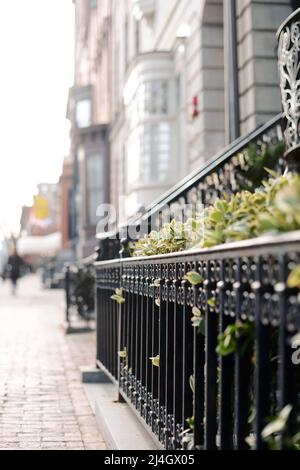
x=273 y=208
x=193 y=278
x=246 y=215
x=155 y=361
x=123 y=354
x=228 y=340
x=294 y=278
x=188 y=435
x=211 y=302
x=118 y=296
x=278 y=426
x=198 y=320
x=252 y=170
x=175 y=236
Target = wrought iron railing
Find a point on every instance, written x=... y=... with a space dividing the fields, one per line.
x=230 y=397
x=80 y=292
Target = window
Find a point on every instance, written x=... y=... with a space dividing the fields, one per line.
x=93 y=3
x=83 y=113
x=149 y=153
x=95 y=186
x=153 y=97
x=155 y=152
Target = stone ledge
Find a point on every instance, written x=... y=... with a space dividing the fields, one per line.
x=117 y=423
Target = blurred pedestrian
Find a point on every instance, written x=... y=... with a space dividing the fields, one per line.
x=13 y=269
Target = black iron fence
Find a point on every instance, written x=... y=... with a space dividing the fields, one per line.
x=206 y=364
x=80 y=292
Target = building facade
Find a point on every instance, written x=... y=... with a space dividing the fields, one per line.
x=170 y=81
x=88 y=111
x=153 y=94
x=65 y=185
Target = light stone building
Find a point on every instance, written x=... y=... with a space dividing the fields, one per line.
x=169 y=87
x=152 y=91
x=89 y=113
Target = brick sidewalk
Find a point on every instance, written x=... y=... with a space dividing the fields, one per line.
x=42 y=401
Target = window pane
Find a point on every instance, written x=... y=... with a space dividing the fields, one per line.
x=95 y=199
x=133 y=157
x=83 y=113
x=153 y=97
x=155 y=152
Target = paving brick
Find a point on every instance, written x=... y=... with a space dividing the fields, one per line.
x=94 y=446
x=42 y=401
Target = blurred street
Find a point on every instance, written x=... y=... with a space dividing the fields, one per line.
x=42 y=402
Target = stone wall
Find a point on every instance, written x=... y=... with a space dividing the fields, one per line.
x=257 y=23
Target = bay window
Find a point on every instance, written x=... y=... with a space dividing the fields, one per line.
x=151 y=111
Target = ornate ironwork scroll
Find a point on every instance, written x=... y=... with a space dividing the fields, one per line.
x=289 y=66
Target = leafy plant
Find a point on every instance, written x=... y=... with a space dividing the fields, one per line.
x=193 y=278
x=294 y=278
x=272 y=432
x=198 y=320
x=175 y=236
x=278 y=425
x=188 y=434
x=211 y=302
x=155 y=361
x=228 y=340
x=123 y=354
x=156 y=283
x=273 y=208
x=118 y=296
x=252 y=169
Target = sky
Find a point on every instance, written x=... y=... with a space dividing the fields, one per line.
x=36 y=70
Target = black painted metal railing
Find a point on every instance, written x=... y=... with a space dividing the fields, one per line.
x=228 y=398
x=80 y=291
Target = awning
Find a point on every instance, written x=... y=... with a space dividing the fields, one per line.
x=47 y=245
